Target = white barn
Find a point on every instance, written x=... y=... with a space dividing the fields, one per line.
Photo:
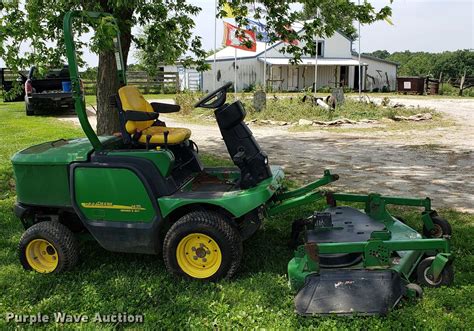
x=337 y=66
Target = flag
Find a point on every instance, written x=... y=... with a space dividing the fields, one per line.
x=231 y=39
x=260 y=29
x=294 y=42
x=228 y=10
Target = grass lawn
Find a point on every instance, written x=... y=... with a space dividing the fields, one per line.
x=258 y=297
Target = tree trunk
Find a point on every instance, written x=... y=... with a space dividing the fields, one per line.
x=107 y=80
x=107 y=86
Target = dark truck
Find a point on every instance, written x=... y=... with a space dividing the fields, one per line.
x=48 y=94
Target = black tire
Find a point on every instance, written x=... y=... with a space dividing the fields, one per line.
x=445 y=279
x=418 y=291
x=59 y=237
x=215 y=226
x=442 y=228
x=29 y=112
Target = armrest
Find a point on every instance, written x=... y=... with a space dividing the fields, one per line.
x=135 y=115
x=159 y=107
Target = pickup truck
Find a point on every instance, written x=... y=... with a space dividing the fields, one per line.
x=46 y=95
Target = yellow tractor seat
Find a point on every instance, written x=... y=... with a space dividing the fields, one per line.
x=139 y=119
x=175 y=135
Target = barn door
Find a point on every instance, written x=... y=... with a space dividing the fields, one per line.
x=276 y=78
x=293 y=78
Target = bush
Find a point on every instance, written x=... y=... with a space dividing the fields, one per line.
x=448 y=89
x=186 y=100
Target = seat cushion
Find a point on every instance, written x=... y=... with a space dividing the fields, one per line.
x=175 y=136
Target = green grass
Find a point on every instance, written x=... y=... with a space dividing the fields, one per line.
x=258 y=297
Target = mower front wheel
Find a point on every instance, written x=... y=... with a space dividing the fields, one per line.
x=446 y=277
x=203 y=245
x=48 y=247
x=441 y=229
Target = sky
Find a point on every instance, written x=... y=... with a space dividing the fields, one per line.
x=418 y=25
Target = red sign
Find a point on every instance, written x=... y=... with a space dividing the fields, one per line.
x=233 y=40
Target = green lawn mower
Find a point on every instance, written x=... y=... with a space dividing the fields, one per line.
x=146 y=191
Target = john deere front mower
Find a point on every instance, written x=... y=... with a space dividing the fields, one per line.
x=146 y=191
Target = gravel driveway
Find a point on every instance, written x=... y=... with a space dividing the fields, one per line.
x=437 y=163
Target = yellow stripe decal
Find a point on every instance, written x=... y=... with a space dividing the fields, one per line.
x=109 y=205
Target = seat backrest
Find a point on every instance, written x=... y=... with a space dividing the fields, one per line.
x=242 y=146
x=132 y=99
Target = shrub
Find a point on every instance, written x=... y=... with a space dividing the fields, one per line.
x=186 y=100
x=448 y=89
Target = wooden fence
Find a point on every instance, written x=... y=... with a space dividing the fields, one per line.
x=163 y=82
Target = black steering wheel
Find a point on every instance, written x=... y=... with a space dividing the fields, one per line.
x=214 y=99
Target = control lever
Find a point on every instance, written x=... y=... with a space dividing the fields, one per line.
x=166 y=133
x=239 y=158
x=148 y=138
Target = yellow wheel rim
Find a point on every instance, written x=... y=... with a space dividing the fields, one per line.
x=198 y=255
x=41 y=256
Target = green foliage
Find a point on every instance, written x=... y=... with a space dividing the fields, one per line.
x=451 y=64
x=169 y=25
x=381 y=54
x=186 y=100
x=258 y=298
x=448 y=89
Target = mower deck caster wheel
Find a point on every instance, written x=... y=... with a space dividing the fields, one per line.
x=415 y=289
x=446 y=277
x=48 y=247
x=441 y=229
x=203 y=245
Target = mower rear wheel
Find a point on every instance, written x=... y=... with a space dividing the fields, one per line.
x=48 y=247
x=446 y=277
x=203 y=245
x=441 y=228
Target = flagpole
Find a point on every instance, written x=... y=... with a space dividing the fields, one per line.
x=235 y=72
x=316 y=60
x=215 y=45
x=265 y=69
x=360 y=77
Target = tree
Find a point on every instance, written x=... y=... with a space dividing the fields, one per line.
x=381 y=54
x=347 y=27
x=167 y=35
x=451 y=64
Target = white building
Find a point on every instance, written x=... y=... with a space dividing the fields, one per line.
x=337 y=66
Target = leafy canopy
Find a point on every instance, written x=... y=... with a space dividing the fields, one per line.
x=166 y=27
x=38 y=25
x=452 y=65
